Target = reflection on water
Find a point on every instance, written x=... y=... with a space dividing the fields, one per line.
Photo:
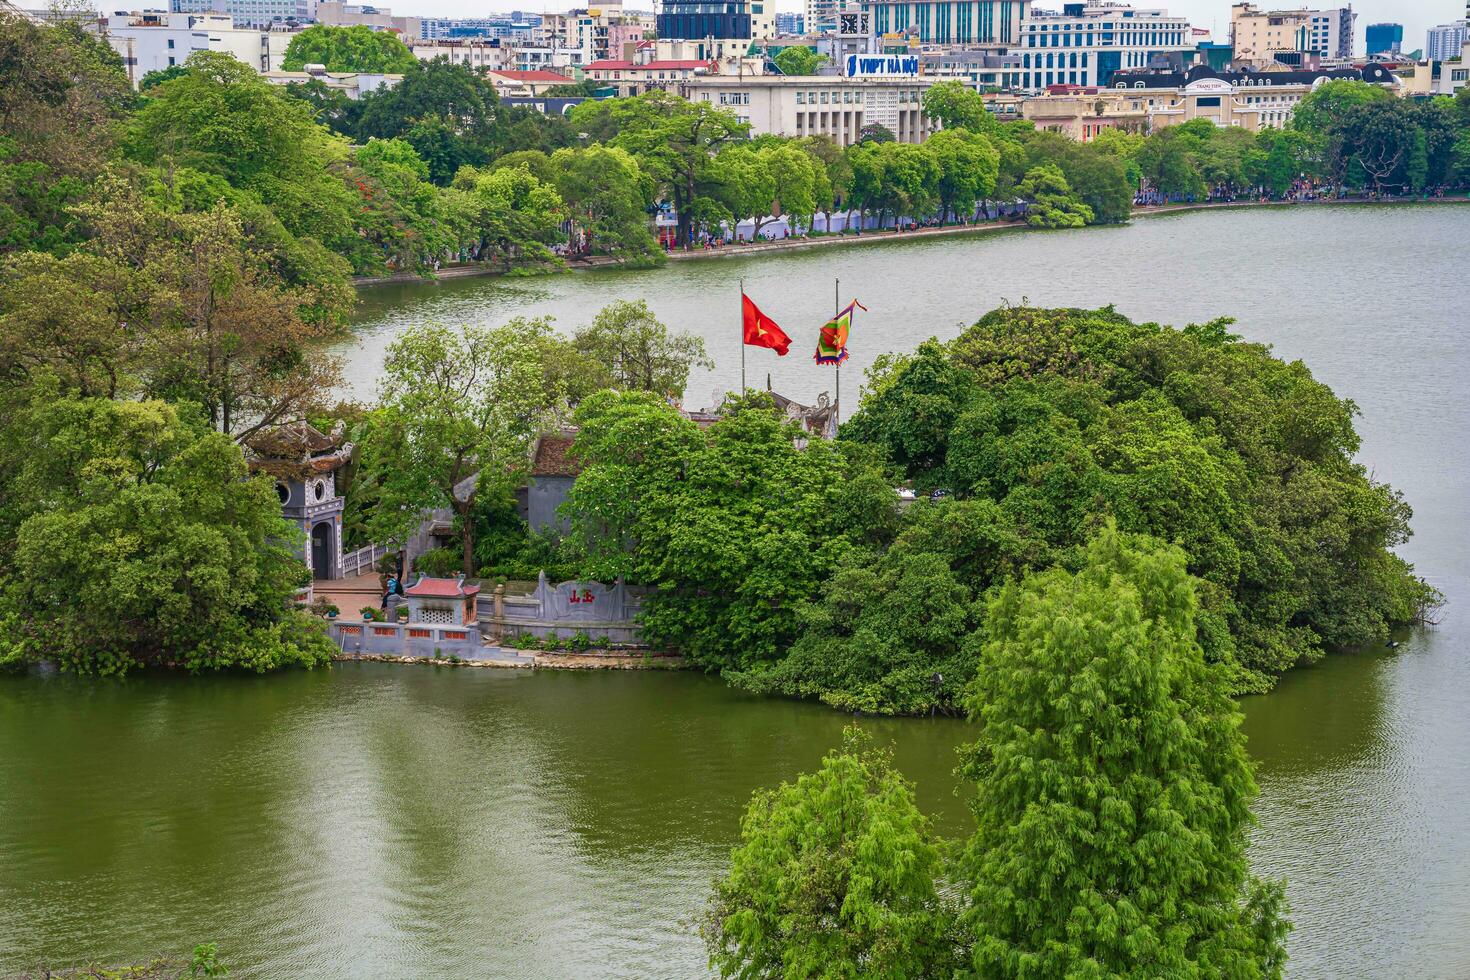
x=404 y=822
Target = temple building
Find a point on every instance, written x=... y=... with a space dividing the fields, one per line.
x=304 y=463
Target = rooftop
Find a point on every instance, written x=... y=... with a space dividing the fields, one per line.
x=535 y=75
x=441 y=588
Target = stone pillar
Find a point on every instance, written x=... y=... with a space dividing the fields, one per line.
x=498 y=611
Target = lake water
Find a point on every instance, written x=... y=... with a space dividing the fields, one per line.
x=382 y=821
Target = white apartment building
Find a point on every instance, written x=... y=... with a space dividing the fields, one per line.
x=1087 y=43
x=1445 y=41
x=1291 y=37
x=250 y=13
x=153 y=40
x=819 y=105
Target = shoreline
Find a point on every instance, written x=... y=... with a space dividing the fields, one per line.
x=877 y=237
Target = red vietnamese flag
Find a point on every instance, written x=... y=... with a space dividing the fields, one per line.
x=761 y=330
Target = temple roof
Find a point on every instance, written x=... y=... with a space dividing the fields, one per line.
x=298 y=448
x=441 y=588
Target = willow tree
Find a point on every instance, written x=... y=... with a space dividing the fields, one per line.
x=1114 y=789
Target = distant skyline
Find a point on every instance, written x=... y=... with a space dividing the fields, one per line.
x=1209 y=14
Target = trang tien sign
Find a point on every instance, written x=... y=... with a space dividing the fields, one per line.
x=877 y=64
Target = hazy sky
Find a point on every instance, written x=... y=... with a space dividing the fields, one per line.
x=1415 y=15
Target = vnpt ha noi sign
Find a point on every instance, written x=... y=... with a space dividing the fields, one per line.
x=859 y=65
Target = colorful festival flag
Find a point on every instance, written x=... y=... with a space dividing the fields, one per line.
x=832 y=338
x=761 y=330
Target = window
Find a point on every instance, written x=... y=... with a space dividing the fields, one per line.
x=824 y=98
x=801 y=98
x=319 y=491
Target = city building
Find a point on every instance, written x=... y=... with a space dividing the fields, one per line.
x=154 y=41
x=1144 y=102
x=1385 y=38
x=1445 y=41
x=790 y=24
x=821 y=15
x=951 y=22
x=250 y=13
x=478 y=53
x=353 y=84
x=512 y=83
x=631 y=78
x=1434 y=78
x=717 y=28
x=1087 y=43
x=819 y=105
x=513 y=26
x=334 y=13
x=1290 y=37
x=984 y=70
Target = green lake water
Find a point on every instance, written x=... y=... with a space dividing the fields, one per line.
x=385 y=821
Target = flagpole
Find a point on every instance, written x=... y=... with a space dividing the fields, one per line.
x=837 y=311
x=742 y=336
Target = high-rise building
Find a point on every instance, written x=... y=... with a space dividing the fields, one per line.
x=790 y=23
x=1385 y=38
x=948 y=21
x=716 y=27
x=251 y=13
x=1445 y=41
x=1087 y=43
x=1290 y=37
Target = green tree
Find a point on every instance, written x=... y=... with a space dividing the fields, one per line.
x=458 y=413
x=1114 y=789
x=675 y=141
x=143 y=542
x=513 y=214
x=357 y=48
x=637 y=351
x=607 y=194
x=835 y=876
x=1051 y=201
x=957 y=106
x=967 y=165
x=1069 y=417
x=449 y=112
x=735 y=525
x=799 y=61
x=221 y=118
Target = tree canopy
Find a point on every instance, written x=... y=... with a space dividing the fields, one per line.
x=1114 y=789
x=835 y=876
x=138 y=539
x=357 y=48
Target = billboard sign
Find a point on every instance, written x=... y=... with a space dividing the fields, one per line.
x=860 y=65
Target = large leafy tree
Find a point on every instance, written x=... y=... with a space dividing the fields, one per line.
x=968 y=166
x=222 y=119
x=608 y=195
x=1066 y=418
x=514 y=214
x=140 y=540
x=458 y=412
x=675 y=142
x=735 y=524
x=213 y=324
x=61 y=92
x=447 y=111
x=637 y=352
x=835 y=876
x=357 y=48
x=957 y=106
x=799 y=60
x=1113 y=786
